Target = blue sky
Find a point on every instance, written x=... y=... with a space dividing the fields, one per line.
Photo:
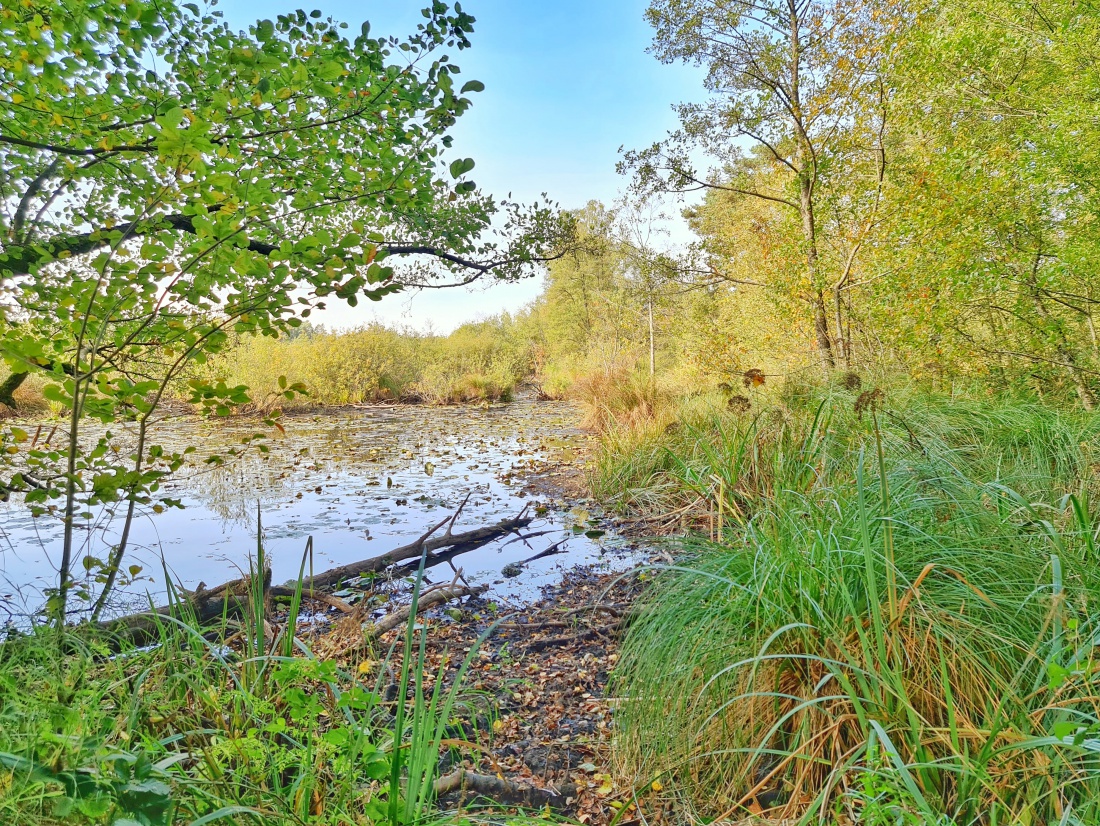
x=567 y=84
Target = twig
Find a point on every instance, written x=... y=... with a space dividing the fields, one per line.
x=550 y=642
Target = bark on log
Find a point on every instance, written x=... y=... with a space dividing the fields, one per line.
x=229 y=599
x=507 y=792
x=456 y=543
x=429 y=599
x=316 y=596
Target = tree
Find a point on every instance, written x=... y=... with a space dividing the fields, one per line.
x=993 y=237
x=799 y=80
x=584 y=306
x=166 y=181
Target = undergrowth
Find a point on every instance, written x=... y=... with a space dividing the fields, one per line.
x=94 y=730
x=889 y=615
x=478 y=362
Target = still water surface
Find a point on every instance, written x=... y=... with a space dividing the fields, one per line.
x=360 y=482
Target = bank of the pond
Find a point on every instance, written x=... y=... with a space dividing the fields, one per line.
x=535 y=720
x=885 y=610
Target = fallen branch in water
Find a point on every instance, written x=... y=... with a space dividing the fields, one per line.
x=455 y=543
x=231 y=599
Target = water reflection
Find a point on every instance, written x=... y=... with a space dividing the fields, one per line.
x=359 y=482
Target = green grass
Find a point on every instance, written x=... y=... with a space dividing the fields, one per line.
x=189 y=731
x=898 y=626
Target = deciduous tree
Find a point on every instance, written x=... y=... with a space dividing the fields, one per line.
x=166 y=180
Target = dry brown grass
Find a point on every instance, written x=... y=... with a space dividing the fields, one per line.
x=616 y=396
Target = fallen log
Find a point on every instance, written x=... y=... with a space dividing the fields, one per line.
x=351 y=635
x=505 y=792
x=316 y=596
x=429 y=599
x=456 y=543
x=231 y=598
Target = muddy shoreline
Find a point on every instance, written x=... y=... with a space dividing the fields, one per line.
x=539 y=706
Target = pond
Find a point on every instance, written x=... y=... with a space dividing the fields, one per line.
x=358 y=481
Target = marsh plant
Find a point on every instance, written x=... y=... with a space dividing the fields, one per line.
x=190 y=730
x=898 y=620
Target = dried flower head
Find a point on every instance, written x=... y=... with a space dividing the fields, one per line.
x=753 y=378
x=869 y=401
x=851 y=381
x=739 y=404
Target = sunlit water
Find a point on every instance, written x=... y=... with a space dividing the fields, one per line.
x=360 y=482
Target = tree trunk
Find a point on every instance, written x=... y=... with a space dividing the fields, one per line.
x=807 y=169
x=821 y=316
x=843 y=353
x=821 y=328
x=1064 y=349
x=652 y=347
x=9 y=386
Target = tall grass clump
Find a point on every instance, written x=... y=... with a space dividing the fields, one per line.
x=898 y=628
x=616 y=395
x=29 y=400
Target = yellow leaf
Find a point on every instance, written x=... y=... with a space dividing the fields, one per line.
x=17 y=98
x=656 y=786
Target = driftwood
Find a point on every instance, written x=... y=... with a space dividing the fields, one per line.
x=352 y=634
x=429 y=599
x=316 y=596
x=232 y=598
x=455 y=543
x=205 y=604
x=507 y=792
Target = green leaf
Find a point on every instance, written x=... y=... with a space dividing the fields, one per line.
x=461 y=166
x=226 y=812
x=472 y=86
x=265 y=30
